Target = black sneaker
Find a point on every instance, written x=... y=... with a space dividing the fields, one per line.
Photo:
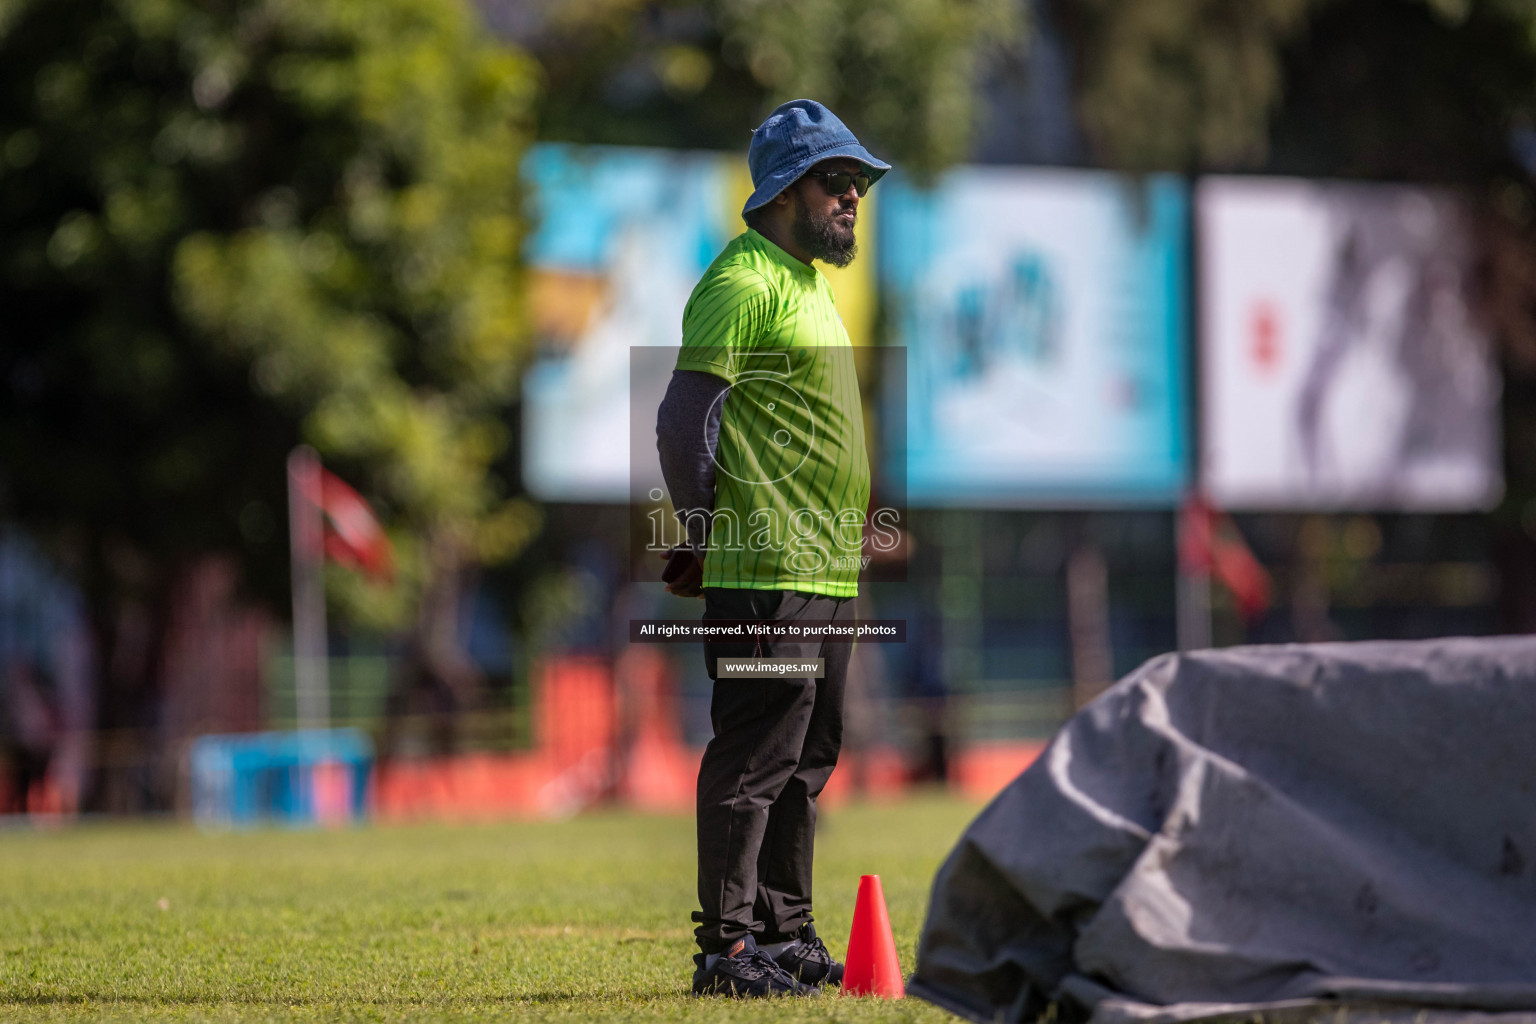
x=744 y=970
x=807 y=960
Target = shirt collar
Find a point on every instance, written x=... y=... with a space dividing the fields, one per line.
x=780 y=256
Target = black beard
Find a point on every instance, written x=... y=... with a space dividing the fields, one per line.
x=824 y=238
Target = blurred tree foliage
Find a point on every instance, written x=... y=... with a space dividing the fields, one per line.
x=1415 y=90
x=635 y=72
x=229 y=225
x=1377 y=88
x=1169 y=84
x=903 y=73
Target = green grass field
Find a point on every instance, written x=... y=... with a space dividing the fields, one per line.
x=578 y=920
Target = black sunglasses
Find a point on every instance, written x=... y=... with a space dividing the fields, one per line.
x=836 y=182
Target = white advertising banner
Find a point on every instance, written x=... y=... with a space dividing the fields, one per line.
x=1341 y=364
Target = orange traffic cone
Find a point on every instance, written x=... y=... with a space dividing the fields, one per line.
x=872 y=968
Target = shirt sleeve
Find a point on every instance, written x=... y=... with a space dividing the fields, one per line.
x=687 y=434
x=729 y=315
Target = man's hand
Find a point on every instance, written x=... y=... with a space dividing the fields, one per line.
x=684 y=572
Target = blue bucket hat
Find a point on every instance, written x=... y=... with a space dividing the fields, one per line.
x=795 y=137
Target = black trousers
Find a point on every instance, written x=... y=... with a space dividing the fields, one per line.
x=776 y=742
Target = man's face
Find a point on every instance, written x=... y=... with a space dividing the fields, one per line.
x=823 y=224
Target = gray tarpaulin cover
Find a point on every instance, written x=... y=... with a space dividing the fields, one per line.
x=1283 y=830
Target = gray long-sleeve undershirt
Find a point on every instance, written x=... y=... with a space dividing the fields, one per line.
x=687 y=434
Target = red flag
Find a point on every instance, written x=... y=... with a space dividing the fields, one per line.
x=1209 y=543
x=353 y=536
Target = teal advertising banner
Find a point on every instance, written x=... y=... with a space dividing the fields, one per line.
x=1044 y=313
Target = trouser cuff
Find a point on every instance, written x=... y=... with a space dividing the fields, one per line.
x=716 y=936
x=792 y=932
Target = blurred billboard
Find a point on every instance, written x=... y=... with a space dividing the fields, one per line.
x=1341 y=366
x=621 y=235
x=1044 y=313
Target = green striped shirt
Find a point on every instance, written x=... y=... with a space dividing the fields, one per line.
x=791 y=471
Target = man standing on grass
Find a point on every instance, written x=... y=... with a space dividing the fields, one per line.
x=761 y=437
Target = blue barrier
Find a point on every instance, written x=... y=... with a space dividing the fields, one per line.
x=317 y=776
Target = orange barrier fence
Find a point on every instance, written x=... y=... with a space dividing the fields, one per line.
x=609 y=734
x=593 y=748
x=482 y=787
